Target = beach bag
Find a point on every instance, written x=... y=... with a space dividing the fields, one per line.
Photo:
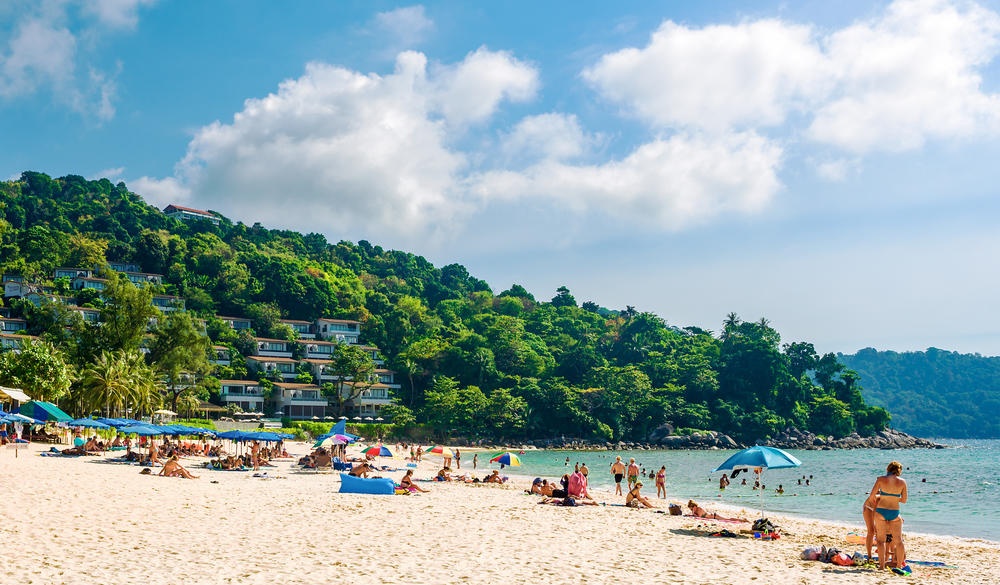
x=763 y=525
x=576 y=483
x=675 y=510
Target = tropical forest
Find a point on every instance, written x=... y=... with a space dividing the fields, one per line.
x=472 y=362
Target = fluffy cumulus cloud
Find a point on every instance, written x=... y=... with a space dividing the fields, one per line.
x=884 y=84
x=364 y=155
x=391 y=157
x=667 y=183
x=910 y=76
x=715 y=77
x=44 y=53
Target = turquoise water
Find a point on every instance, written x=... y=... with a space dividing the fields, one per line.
x=960 y=497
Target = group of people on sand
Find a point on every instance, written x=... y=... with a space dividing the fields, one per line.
x=632 y=474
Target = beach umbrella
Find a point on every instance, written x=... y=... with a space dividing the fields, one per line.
x=141 y=430
x=760 y=457
x=508 y=458
x=165 y=412
x=377 y=451
x=88 y=423
x=16 y=417
x=440 y=450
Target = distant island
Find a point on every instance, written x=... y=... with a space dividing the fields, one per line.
x=112 y=305
x=933 y=393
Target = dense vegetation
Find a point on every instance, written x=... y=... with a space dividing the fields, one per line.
x=471 y=362
x=934 y=393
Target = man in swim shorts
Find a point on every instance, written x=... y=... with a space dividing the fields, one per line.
x=632 y=472
x=618 y=470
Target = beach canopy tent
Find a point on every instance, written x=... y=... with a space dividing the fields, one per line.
x=13 y=394
x=44 y=411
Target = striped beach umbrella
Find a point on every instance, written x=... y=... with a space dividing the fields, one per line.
x=508 y=459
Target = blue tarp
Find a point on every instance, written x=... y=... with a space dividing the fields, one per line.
x=44 y=411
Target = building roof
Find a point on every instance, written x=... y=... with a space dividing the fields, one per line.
x=173 y=207
x=244 y=382
x=294 y=386
x=266 y=358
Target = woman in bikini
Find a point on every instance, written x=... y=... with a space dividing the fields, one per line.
x=661 y=482
x=634 y=499
x=407 y=483
x=890 y=491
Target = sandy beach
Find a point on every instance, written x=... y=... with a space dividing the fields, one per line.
x=84 y=520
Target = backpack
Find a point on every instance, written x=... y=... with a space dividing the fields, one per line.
x=675 y=510
x=763 y=525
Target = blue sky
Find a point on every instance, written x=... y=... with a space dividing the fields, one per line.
x=830 y=166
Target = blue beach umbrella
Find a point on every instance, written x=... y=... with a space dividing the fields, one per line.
x=87 y=423
x=762 y=457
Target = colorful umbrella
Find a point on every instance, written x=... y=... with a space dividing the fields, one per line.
x=508 y=459
x=439 y=450
x=378 y=451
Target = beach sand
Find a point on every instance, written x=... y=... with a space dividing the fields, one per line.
x=83 y=520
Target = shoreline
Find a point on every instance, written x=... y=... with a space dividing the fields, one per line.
x=83 y=520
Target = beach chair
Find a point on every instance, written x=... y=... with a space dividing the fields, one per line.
x=339 y=465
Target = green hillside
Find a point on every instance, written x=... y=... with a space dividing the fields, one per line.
x=470 y=361
x=933 y=393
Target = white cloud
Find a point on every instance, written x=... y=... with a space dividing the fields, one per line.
x=39 y=53
x=667 y=183
x=159 y=192
x=47 y=48
x=547 y=136
x=405 y=27
x=884 y=84
x=470 y=91
x=837 y=170
x=716 y=77
x=122 y=14
x=362 y=155
x=910 y=76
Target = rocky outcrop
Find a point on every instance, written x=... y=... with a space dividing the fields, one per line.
x=662 y=438
x=887 y=439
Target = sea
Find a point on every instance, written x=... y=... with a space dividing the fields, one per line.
x=952 y=492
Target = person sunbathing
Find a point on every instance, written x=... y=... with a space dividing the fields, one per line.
x=407 y=483
x=443 y=474
x=634 y=499
x=494 y=477
x=172 y=468
x=567 y=501
x=360 y=470
x=700 y=512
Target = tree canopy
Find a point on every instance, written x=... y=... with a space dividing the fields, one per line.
x=470 y=362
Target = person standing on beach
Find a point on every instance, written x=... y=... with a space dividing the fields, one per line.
x=632 y=472
x=618 y=471
x=890 y=491
x=458 y=459
x=585 y=470
x=661 y=482
x=420 y=453
x=475 y=460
